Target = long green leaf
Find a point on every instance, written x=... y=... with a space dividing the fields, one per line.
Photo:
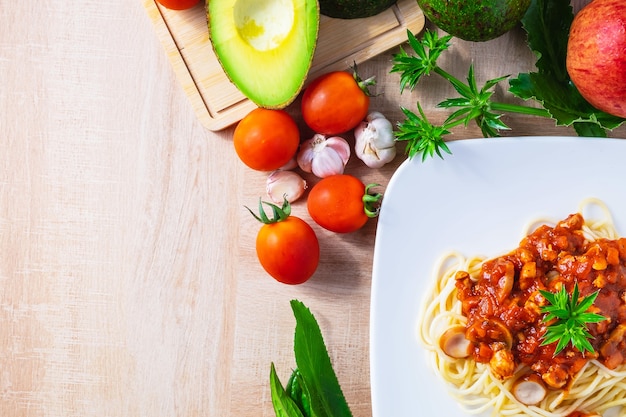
x=314 y=364
x=284 y=406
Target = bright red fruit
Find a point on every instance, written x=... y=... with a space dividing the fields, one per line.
x=179 y=4
x=336 y=102
x=596 y=55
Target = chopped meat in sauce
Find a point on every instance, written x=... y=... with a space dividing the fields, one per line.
x=503 y=305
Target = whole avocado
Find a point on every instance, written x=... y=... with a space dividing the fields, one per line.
x=353 y=9
x=475 y=20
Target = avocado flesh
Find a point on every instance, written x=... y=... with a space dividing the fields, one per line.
x=353 y=9
x=265 y=47
x=475 y=20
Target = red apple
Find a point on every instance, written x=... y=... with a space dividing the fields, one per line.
x=596 y=55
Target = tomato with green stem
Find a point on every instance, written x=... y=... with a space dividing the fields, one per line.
x=342 y=203
x=336 y=102
x=286 y=246
x=266 y=139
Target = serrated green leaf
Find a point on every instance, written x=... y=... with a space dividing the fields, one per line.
x=582 y=344
x=550 y=337
x=421 y=136
x=427 y=51
x=572 y=300
x=547 y=24
x=313 y=362
x=555 y=312
x=585 y=303
x=492 y=83
x=568 y=318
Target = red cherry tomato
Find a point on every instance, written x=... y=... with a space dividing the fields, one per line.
x=266 y=139
x=342 y=203
x=287 y=247
x=336 y=102
x=179 y=4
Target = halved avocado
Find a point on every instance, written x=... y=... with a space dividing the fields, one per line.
x=265 y=46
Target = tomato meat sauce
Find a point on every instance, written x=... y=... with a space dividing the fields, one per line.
x=503 y=305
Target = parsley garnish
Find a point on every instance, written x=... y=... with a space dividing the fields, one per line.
x=569 y=319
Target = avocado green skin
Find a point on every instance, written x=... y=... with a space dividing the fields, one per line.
x=353 y=9
x=475 y=20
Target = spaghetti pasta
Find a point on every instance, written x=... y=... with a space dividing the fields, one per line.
x=594 y=388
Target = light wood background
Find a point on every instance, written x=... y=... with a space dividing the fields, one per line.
x=129 y=284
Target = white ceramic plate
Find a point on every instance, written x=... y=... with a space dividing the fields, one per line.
x=476 y=201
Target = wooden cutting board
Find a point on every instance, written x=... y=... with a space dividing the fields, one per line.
x=218 y=103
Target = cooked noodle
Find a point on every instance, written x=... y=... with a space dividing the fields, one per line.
x=595 y=388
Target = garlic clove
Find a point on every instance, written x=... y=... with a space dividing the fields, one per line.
x=305 y=156
x=327 y=164
x=374 y=141
x=324 y=156
x=291 y=164
x=341 y=147
x=282 y=184
x=375 y=115
x=383 y=137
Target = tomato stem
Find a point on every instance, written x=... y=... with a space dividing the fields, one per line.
x=371 y=202
x=278 y=213
x=363 y=84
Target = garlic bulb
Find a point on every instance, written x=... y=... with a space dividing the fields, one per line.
x=374 y=141
x=285 y=184
x=324 y=156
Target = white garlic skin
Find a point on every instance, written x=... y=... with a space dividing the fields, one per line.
x=283 y=184
x=374 y=141
x=324 y=156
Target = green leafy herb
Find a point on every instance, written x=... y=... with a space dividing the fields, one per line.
x=475 y=103
x=427 y=51
x=313 y=389
x=284 y=405
x=547 y=24
x=422 y=136
x=568 y=318
x=299 y=392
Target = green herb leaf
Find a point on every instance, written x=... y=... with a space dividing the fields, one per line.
x=327 y=399
x=278 y=213
x=422 y=137
x=299 y=392
x=474 y=104
x=547 y=24
x=427 y=51
x=568 y=318
x=284 y=405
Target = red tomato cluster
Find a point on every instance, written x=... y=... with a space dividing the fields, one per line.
x=265 y=140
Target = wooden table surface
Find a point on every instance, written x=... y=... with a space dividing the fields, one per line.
x=129 y=282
